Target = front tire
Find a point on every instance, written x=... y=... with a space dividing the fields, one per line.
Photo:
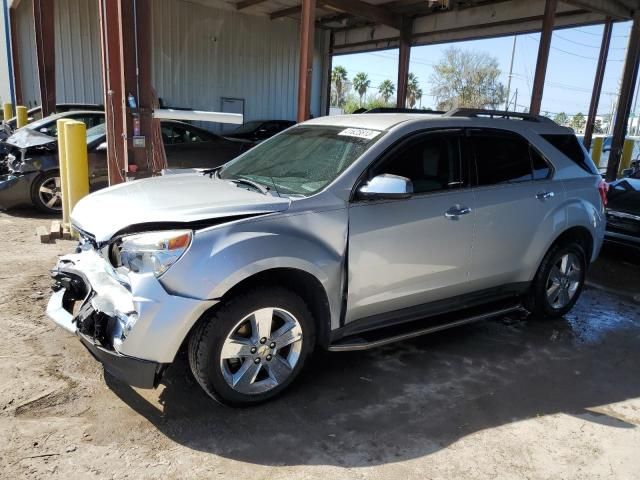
x=253 y=346
x=559 y=281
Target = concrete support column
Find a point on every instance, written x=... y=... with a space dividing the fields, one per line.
x=543 y=55
x=403 y=63
x=307 y=35
x=126 y=66
x=43 y=17
x=629 y=77
x=597 y=83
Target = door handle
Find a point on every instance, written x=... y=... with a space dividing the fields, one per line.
x=454 y=212
x=545 y=195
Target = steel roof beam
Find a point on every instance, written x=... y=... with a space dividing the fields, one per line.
x=612 y=8
x=248 y=3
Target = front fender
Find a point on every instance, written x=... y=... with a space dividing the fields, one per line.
x=224 y=256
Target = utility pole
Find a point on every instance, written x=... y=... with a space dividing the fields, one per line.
x=513 y=53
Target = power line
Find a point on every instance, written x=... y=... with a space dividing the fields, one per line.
x=577 y=54
x=599 y=34
x=556 y=35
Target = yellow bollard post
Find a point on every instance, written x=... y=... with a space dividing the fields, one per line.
x=22 y=117
x=64 y=175
x=77 y=161
x=596 y=150
x=7 y=111
x=627 y=152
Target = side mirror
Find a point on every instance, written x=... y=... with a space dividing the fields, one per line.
x=44 y=130
x=387 y=186
x=102 y=147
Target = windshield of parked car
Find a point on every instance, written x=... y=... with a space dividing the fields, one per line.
x=94 y=133
x=247 y=127
x=46 y=122
x=302 y=160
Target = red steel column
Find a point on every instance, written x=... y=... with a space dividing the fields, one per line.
x=307 y=34
x=43 y=11
x=117 y=154
x=403 y=63
x=543 y=56
x=629 y=77
x=597 y=83
x=126 y=65
x=135 y=27
x=15 y=57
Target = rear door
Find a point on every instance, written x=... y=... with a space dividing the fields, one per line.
x=412 y=251
x=514 y=194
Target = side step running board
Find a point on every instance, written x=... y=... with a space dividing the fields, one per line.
x=358 y=342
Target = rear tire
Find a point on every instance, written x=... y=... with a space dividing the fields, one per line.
x=559 y=281
x=253 y=346
x=46 y=192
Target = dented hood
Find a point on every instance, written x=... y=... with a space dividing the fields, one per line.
x=173 y=199
x=26 y=137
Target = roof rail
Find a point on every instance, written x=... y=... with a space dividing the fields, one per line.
x=478 y=112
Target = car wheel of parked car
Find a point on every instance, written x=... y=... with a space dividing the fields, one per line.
x=559 y=280
x=46 y=192
x=253 y=346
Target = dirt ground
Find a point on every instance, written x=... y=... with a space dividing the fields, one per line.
x=507 y=398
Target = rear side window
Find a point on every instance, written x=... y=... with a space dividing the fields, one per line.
x=501 y=159
x=541 y=168
x=569 y=145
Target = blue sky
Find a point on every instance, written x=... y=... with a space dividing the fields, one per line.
x=570 y=72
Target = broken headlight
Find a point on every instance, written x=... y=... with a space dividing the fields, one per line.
x=151 y=252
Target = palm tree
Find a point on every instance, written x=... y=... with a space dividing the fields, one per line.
x=414 y=92
x=386 y=89
x=361 y=83
x=339 y=79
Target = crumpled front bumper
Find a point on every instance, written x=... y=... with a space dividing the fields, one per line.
x=15 y=190
x=132 y=325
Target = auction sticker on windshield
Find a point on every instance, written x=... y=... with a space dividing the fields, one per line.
x=360 y=133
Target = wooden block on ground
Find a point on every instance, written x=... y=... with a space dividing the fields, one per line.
x=66 y=233
x=55 y=230
x=43 y=234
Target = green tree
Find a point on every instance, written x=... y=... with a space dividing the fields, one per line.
x=386 y=89
x=578 y=122
x=466 y=79
x=561 y=118
x=597 y=127
x=361 y=83
x=339 y=80
x=414 y=92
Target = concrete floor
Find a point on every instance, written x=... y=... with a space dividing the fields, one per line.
x=507 y=398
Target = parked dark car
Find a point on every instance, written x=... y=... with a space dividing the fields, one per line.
x=34 y=177
x=259 y=130
x=40 y=133
x=623 y=208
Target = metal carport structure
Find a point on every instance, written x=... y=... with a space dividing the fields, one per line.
x=351 y=26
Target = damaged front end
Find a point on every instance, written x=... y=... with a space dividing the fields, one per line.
x=118 y=317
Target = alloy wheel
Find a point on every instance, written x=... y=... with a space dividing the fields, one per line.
x=261 y=351
x=50 y=193
x=563 y=281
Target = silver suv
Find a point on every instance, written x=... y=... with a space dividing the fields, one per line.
x=341 y=233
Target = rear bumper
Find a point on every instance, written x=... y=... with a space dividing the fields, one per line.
x=15 y=190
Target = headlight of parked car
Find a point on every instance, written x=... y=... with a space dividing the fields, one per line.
x=151 y=252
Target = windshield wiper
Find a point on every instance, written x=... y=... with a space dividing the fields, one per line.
x=251 y=183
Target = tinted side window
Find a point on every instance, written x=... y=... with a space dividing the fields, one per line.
x=541 y=169
x=432 y=163
x=569 y=145
x=501 y=159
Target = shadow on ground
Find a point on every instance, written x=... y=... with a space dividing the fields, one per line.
x=411 y=399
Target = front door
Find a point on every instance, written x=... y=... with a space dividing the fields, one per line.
x=412 y=251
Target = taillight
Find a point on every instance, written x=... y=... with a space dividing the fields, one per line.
x=603 y=188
